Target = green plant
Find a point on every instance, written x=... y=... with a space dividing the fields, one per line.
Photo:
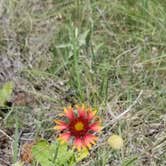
x=5 y=93
x=56 y=154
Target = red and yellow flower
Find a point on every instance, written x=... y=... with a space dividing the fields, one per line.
x=79 y=125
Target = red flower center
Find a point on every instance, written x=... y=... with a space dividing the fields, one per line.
x=78 y=127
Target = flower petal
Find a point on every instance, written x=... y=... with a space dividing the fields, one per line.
x=91 y=114
x=69 y=113
x=60 y=125
x=78 y=143
x=89 y=139
x=64 y=137
x=95 y=126
x=81 y=111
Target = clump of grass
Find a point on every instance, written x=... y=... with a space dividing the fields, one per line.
x=122 y=55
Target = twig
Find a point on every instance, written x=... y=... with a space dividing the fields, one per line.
x=125 y=112
x=6 y=135
x=5 y=162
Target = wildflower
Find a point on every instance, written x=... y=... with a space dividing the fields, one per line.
x=115 y=141
x=79 y=126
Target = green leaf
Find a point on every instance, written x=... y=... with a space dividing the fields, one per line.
x=5 y=92
x=41 y=153
x=53 y=154
x=64 y=46
x=129 y=161
x=83 y=37
x=82 y=154
x=64 y=155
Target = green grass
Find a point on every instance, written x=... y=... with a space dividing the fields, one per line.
x=102 y=53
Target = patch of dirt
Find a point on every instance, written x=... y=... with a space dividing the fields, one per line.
x=5 y=149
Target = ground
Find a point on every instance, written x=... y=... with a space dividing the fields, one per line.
x=109 y=54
